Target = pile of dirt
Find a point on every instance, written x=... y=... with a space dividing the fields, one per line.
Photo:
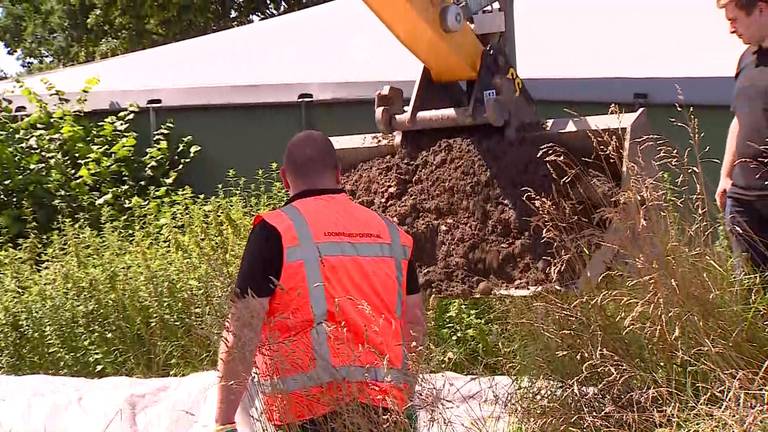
x=463 y=199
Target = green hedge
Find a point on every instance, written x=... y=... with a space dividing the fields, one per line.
x=56 y=164
x=144 y=299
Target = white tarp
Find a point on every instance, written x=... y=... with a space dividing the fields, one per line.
x=38 y=403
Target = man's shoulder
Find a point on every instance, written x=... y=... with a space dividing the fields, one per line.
x=262 y=228
x=260 y=220
x=746 y=61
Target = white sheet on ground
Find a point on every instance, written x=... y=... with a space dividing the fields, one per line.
x=36 y=403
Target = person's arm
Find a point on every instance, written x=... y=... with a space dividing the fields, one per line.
x=415 y=322
x=236 y=352
x=260 y=266
x=415 y=327
x=729 y=160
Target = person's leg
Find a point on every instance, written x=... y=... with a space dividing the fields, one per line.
x=312 y=425
x=747 y=224
x=734 y=215
x=413 y=419
x=362 y=417
x=342 y=420
x=357 y=417
x=375 y=418
x=760 y=228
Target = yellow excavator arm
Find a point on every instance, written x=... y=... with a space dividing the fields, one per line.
x=438 y=33
x=449 y=57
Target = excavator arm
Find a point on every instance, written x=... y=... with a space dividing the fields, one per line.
x=449 y=56
x=467 y=80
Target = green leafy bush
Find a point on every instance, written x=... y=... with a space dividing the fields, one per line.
x=472 y=337
x=57 y=164
x=141 y=299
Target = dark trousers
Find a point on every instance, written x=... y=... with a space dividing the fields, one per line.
x=747 y=224
x=357 y=418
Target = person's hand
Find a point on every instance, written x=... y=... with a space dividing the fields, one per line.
x=722 y=190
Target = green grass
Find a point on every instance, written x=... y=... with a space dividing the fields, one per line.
x=473 y=337
x=145 y=297
x=668 y=340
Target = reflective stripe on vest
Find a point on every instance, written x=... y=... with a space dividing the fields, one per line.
x=394 y=236
x=310 y=253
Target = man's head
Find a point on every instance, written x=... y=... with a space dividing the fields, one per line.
x=309 y=162
x=748 y=19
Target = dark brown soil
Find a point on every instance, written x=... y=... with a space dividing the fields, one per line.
x=463 y=201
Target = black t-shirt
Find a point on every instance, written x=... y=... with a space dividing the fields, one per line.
x=262 y=261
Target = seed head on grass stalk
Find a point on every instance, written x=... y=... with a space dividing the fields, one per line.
x=669 y=338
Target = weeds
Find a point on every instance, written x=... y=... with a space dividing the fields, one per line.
x=57 y=165
x=143 y=299
x=472 y=337
x=669 y=338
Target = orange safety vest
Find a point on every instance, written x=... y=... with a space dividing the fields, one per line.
x=334 y=333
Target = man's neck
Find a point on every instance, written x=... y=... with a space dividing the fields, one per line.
x=763 y=42
x=302 y=190
x=309 y=193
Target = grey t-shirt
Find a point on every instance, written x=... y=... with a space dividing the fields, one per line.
x=750 y=104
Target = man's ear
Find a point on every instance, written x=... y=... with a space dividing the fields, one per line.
x=284 y=178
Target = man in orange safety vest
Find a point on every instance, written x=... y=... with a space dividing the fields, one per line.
x=327 y=308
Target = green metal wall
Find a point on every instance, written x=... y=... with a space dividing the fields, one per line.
x=713 y=125
x=248 y=138
x=245 y=139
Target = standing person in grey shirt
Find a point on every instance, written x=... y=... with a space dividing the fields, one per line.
x=743 y=189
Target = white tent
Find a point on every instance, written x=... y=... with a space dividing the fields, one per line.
x=585 y=51
x=336 y=51
x=607 y=51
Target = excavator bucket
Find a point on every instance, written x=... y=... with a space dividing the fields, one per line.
x=497 y=96
x=469 y=80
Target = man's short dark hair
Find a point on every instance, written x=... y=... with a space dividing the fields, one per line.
x=310 y=155
x=747 y=6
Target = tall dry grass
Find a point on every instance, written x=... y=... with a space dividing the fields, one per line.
x=670 y=338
